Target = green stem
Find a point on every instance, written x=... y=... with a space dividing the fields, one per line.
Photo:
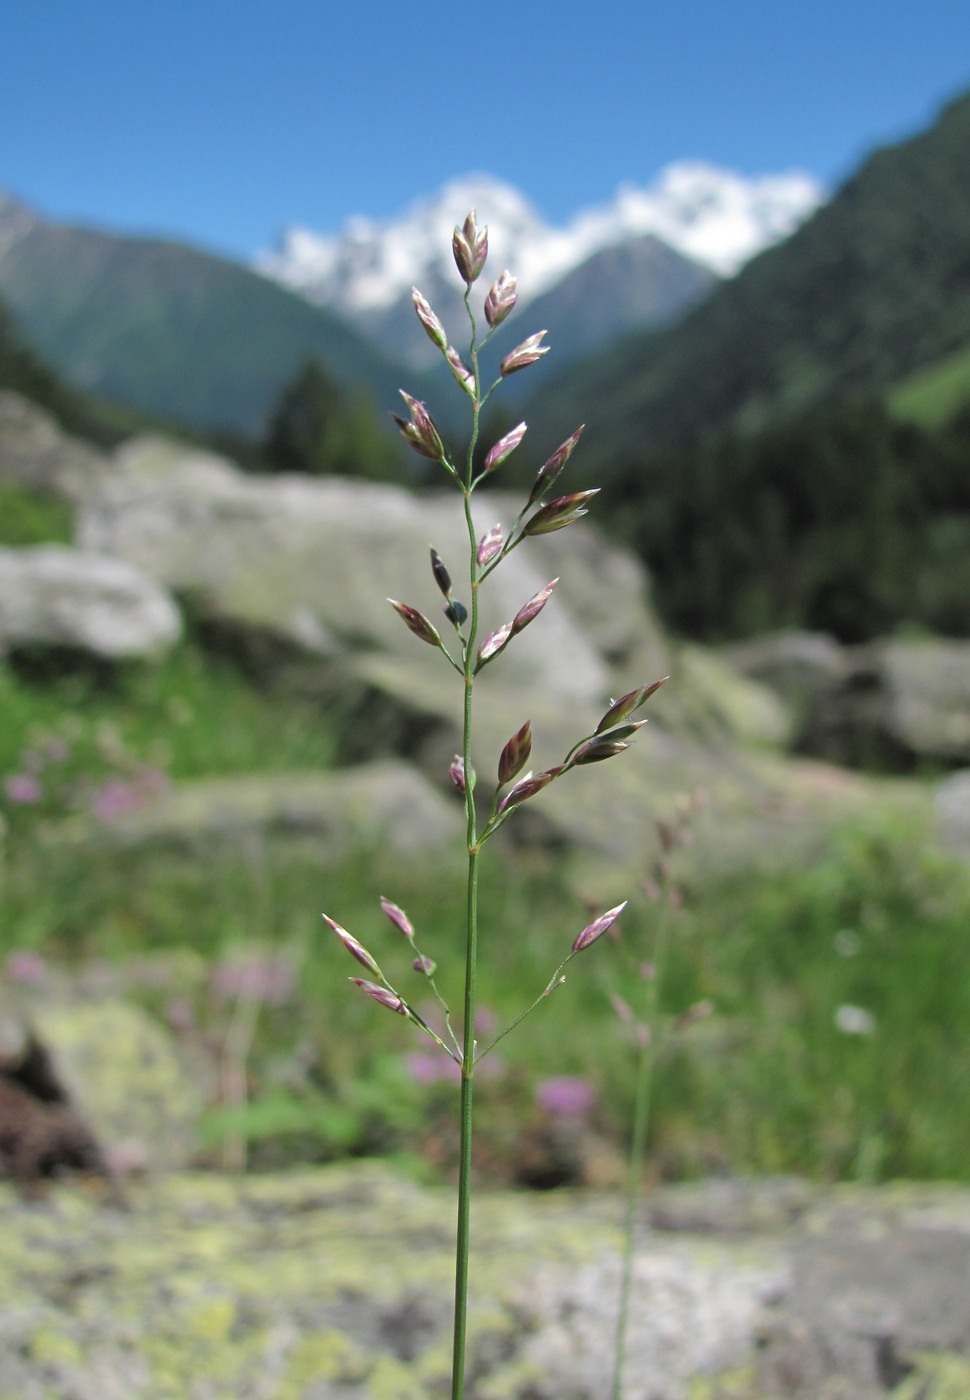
x=646 y=1061
x=471 y=945
x=465 y=1152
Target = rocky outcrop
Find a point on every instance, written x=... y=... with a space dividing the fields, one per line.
x=387 y=807
x=52 y=596
x=36 y=453
x=295 y=573
x=303 y=568
x=894 y=704
x=313 y=561
x=337 y=1283
x=926 y=685
x=123 y=1071
x=105 y=1086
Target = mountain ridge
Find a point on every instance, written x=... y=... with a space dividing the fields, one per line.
x=875 y=284
x=166 y=328
x=702 y=223
x=712 y=216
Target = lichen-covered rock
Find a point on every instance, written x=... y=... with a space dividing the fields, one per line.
x=803 y=667
x=123 y=1073
x=336 y=1284
x=53 y=596
x=300 y=569
x=721 y=706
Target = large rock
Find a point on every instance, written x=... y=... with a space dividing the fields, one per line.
x=36 y=453
x=51 y=595
x=386 y=807
x=805 y=668
x=115 y=1066
x=894 y=704
x=336 y=1284
x=926 y=685
x=313 y=561
x=123 y=1072
x=310 y=563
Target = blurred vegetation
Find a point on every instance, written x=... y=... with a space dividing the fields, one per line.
x=934 y=395
x=838 y=995
x=320 y=429
x=173 y=332
x=33 y=517
x=193 y=714
x=27 y=373
x=844 y=519
x=875 y=286
x=796 y=451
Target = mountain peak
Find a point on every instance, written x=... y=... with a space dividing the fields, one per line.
x=716 y=217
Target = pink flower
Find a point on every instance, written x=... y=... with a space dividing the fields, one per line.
x=567 y=1096
x=383 y=995
x=419 y=430
x=434 y=328
x=23 y=789
x=554 y=465
x=532 y=608
x=416 y=622
x=460 y=370
x=268 y=980
x=470 y=247
x=504 y=448
x=355 y=949
x=426 y=1068
x=25 y=967
x=114 y=799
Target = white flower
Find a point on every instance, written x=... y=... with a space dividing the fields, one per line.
x=854 y=1020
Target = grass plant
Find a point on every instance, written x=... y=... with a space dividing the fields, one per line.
x=193 y=714
x=467 y=653
x=767 y=1084
x=642 y=1020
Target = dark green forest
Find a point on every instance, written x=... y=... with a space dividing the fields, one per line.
x=756 y=455
x=874 y=286
x=843 y=520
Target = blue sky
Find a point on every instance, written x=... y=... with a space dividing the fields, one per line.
x=222 y=122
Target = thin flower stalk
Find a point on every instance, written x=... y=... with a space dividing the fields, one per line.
x=471 y=649
x=643 y=1021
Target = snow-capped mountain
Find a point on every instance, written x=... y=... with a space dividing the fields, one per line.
x=714 y=217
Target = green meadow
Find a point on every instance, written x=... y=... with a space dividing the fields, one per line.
x=838 y=993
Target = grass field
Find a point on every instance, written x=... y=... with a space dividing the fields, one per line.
x=838 y=994
x=930 y=397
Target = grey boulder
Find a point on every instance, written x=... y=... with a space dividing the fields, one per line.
x=36 y=452
x=51 y=595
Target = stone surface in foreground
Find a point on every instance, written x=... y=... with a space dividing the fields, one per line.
x=337 y=1282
